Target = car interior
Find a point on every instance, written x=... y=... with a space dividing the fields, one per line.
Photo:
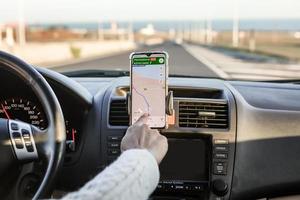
x=218 y=80
x=248 y=150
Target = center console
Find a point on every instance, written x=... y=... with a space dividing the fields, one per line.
x=196 y=166
x=200 y=159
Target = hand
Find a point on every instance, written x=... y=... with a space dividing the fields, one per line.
x=140 y=136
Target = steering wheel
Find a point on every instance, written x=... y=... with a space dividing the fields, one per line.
x=29 y=157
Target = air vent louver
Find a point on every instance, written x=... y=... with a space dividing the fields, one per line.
x=200 y=114
x=118 y=115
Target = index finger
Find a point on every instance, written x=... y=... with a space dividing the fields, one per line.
x=142 y=120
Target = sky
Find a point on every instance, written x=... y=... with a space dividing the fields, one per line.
x=46 y=11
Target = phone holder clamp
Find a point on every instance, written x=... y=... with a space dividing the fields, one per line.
x=169 y=103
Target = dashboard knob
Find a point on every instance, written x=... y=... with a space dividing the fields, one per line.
x=220 y=187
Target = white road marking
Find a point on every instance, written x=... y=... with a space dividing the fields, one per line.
x=194 y=52
x=228 y=67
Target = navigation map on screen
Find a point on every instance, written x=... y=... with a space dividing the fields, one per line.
x=148 y=89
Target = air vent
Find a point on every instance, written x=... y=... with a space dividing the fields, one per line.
x=203 y=114
x=118 y=115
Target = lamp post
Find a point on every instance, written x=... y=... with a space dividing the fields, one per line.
x=130 y=32
x=0 y=34
x=21 y=23
x=235 y=24
x=209 y=37
x=100 y=31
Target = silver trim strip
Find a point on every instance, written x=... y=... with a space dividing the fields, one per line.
x=22 y=153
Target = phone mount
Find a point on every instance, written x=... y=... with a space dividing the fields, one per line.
x=169 y=103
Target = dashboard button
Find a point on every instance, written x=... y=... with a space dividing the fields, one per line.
x=187 y=187
x=18 y=140
x=29 y=146
x=113 y=152
x=159 y=186
x=19 y=143
x=14 y=126
x=221 y=141
x=114 y=138
x=179 y=187
x=70 y=146
x=220 y=168
x=220 y=187
x=197 y=188
x=221 y=148
x=171 y=186
x=113 y=145
x=16 y=135
x=221 y=155
x=25 y=134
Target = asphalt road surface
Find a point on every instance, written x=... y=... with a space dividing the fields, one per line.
x=180 y=62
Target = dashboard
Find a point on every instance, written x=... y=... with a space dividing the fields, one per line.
x=229 y=140
x=18 y=102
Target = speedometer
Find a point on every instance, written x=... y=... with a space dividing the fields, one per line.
x=23 y=110
x=30 y=112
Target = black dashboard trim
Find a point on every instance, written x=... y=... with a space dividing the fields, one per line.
x=74 y=87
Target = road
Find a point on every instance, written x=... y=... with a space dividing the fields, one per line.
x=180 y=62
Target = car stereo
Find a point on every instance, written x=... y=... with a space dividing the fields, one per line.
x=199 y=166
x=186 y=167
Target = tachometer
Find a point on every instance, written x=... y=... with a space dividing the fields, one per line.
x=23 y=110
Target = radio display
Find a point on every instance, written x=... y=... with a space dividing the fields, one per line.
x=186 y=160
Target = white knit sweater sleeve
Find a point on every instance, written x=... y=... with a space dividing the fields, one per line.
x=133 y=176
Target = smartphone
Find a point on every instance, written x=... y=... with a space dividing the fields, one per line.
x=148 y=87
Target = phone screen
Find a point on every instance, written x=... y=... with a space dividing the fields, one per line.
x=148 y=88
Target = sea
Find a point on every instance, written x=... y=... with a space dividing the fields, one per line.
x=166 y=25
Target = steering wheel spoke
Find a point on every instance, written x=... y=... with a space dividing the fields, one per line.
x=43 y=142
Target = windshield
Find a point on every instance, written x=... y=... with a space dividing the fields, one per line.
x=228 y=39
